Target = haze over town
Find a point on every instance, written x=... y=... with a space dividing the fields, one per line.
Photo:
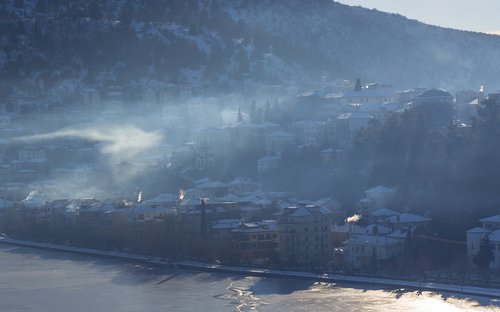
x=307 y=140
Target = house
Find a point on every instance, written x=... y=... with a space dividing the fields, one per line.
x=378 y=197
x=304 y=235
x=278 y=141
x=211 y=146
x=436 y=107
x=490 y=229
x=104 y=215
x=220 y=231
x=382 y=214
x=33 y=209
x=343 y=232
x=210 y=188
x=405 y=221
x=152 y=209
x=367 y=250
x=242 y=186
x=255 y=241
x=309 y=132
x=349 y=124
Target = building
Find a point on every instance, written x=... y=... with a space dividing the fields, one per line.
x=211 y=146
x=349 y=124
x=378 y=197
x=33 y=209
x=309 y=132
x=256 y=241
x=277 y=141
x=406 y=221
x=436 y=107
x=304 y=235
x=154 y=208
x=242 y=186
x=368 y=250
x=491 y=229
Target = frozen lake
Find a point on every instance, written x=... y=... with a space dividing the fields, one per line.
x=41 y=280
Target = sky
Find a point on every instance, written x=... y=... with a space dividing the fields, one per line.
x=473 y=15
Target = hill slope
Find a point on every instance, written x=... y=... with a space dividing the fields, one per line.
x=48 y=43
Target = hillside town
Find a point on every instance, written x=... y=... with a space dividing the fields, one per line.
x=223 y=183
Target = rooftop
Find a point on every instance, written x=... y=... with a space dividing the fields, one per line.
x=407 y=218
x=491 y=219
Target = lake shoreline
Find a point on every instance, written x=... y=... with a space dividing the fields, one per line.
x=300 y=275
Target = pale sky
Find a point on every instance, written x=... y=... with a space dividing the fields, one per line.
x=475 y=15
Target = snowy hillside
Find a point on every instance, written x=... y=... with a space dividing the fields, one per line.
x=47 y=44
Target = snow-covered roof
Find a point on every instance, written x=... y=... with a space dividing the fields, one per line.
x=494 y=236
x=309 y=210
x=384 y=212
x=407 y=218
x=434 y=93
x=478 y=230
x=263 y=226
x=225 y=224
x=491 y=219
x=323 y=201
x=162 y=198
x=380 y=189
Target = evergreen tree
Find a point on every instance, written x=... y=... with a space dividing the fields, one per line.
x=41 y=6
x=357 y=87
x=94 y=10
x=484 y=256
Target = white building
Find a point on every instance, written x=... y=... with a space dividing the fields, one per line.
x=378 y=197
x=211 y=146
x=491 y=229
x=367 y=250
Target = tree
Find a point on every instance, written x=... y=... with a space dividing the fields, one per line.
x=357 y=87
x=94 y=10
x=41 y=6
x=484 y=256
